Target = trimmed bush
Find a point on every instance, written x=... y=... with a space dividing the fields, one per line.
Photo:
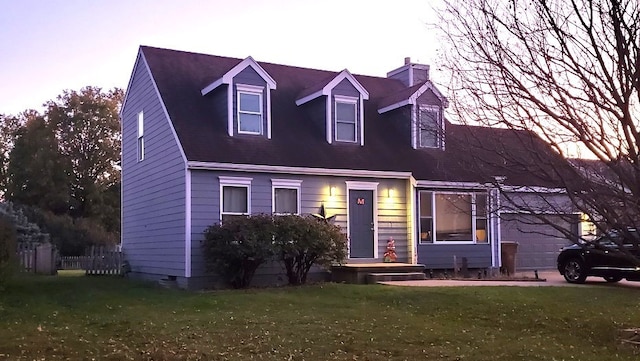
x=7 y=250
x=237 y=247
x=301 y=242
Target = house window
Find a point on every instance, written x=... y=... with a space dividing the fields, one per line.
x=453 y=217
x=249 y=109
x=430 y=128
x=426 y=217
x=346 y=115
x=140 y=136
x=286 y=196
x=235 y=197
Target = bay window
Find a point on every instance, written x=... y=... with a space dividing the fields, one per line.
x=453 y=217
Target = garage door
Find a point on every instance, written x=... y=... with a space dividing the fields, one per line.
x=538 y=244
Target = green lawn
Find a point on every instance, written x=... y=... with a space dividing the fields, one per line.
x=103 y=318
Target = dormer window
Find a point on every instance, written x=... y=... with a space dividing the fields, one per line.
x=429 y=127
x=248 y=106
x=346 y=115
x=249 y=109
x=344 y=100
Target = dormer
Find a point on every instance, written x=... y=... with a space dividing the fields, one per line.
x=344 y=100
x=248 y=88
x=424 y=101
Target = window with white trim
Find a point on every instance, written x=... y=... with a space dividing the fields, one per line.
x=140 y=136
x=250 y=106
x=450 y=217
x=235 y=196
x=346 y=119
x=286 y=196
x=430 y=130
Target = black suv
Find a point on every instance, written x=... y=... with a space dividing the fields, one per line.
x=602 y=258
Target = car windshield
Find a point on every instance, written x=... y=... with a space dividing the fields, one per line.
x=615 y=237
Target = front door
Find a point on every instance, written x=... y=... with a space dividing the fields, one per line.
x=361 y=226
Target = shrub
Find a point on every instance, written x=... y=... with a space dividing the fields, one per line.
x=301 y=242
x=7 y=250
x=71 y=236
x=237 y=247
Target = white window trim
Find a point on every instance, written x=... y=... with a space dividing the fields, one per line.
x=140 y=139
x=251 y=90
x=372 y=186
x=356 y=119
x=287 y=184
x=418 y=127
x=234 y=182
x=474 y=215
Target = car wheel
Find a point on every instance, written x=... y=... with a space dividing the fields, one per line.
x=612 y=279
x=574 y=271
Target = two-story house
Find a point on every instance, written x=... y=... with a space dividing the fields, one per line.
x=206 y=137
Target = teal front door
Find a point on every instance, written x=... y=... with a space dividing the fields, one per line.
x=361 y=224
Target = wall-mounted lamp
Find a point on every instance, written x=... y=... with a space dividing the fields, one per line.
x=332 y=191
x=390 y=193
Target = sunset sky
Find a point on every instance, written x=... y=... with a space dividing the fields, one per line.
x=48 y=46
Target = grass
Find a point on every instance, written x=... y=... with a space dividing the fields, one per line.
x=72 y=317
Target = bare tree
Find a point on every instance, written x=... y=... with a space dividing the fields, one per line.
x=562 y=73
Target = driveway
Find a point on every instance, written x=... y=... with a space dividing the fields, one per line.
x=553 y=279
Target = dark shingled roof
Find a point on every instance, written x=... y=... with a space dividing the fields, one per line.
x=297 y=141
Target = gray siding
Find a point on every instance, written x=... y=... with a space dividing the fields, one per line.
x=153 y=190
x=440 y=256
x=249 y=76
x=429 y=97
x=403 y=76
x=205 y=191
x=420 y=75
x=345 y=88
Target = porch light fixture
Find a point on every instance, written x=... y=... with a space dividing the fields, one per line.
x=332 y=191
x=390 y=193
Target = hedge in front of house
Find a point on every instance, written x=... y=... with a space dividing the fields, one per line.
x=301 y=242
x=236 y=248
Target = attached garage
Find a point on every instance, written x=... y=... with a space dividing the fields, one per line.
x=538 y=244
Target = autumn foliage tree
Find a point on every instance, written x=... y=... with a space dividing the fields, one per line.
x=564 y=72
x=87 y=126
x=61 y=166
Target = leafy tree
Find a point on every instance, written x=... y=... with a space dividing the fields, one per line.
x=9 y=126
x=87 y=127
x=37 y=173
x=567 y=72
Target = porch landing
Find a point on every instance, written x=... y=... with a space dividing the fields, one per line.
x=376 y=272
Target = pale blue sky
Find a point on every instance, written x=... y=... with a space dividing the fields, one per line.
x=50 y=45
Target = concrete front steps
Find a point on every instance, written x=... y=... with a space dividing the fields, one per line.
x=395 y=276
x=376 y=272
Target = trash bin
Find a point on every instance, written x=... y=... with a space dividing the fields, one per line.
x=508 y=253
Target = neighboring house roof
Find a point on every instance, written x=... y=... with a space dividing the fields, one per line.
x=297 y=141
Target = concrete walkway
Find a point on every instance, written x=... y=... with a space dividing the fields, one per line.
x=553 y=279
